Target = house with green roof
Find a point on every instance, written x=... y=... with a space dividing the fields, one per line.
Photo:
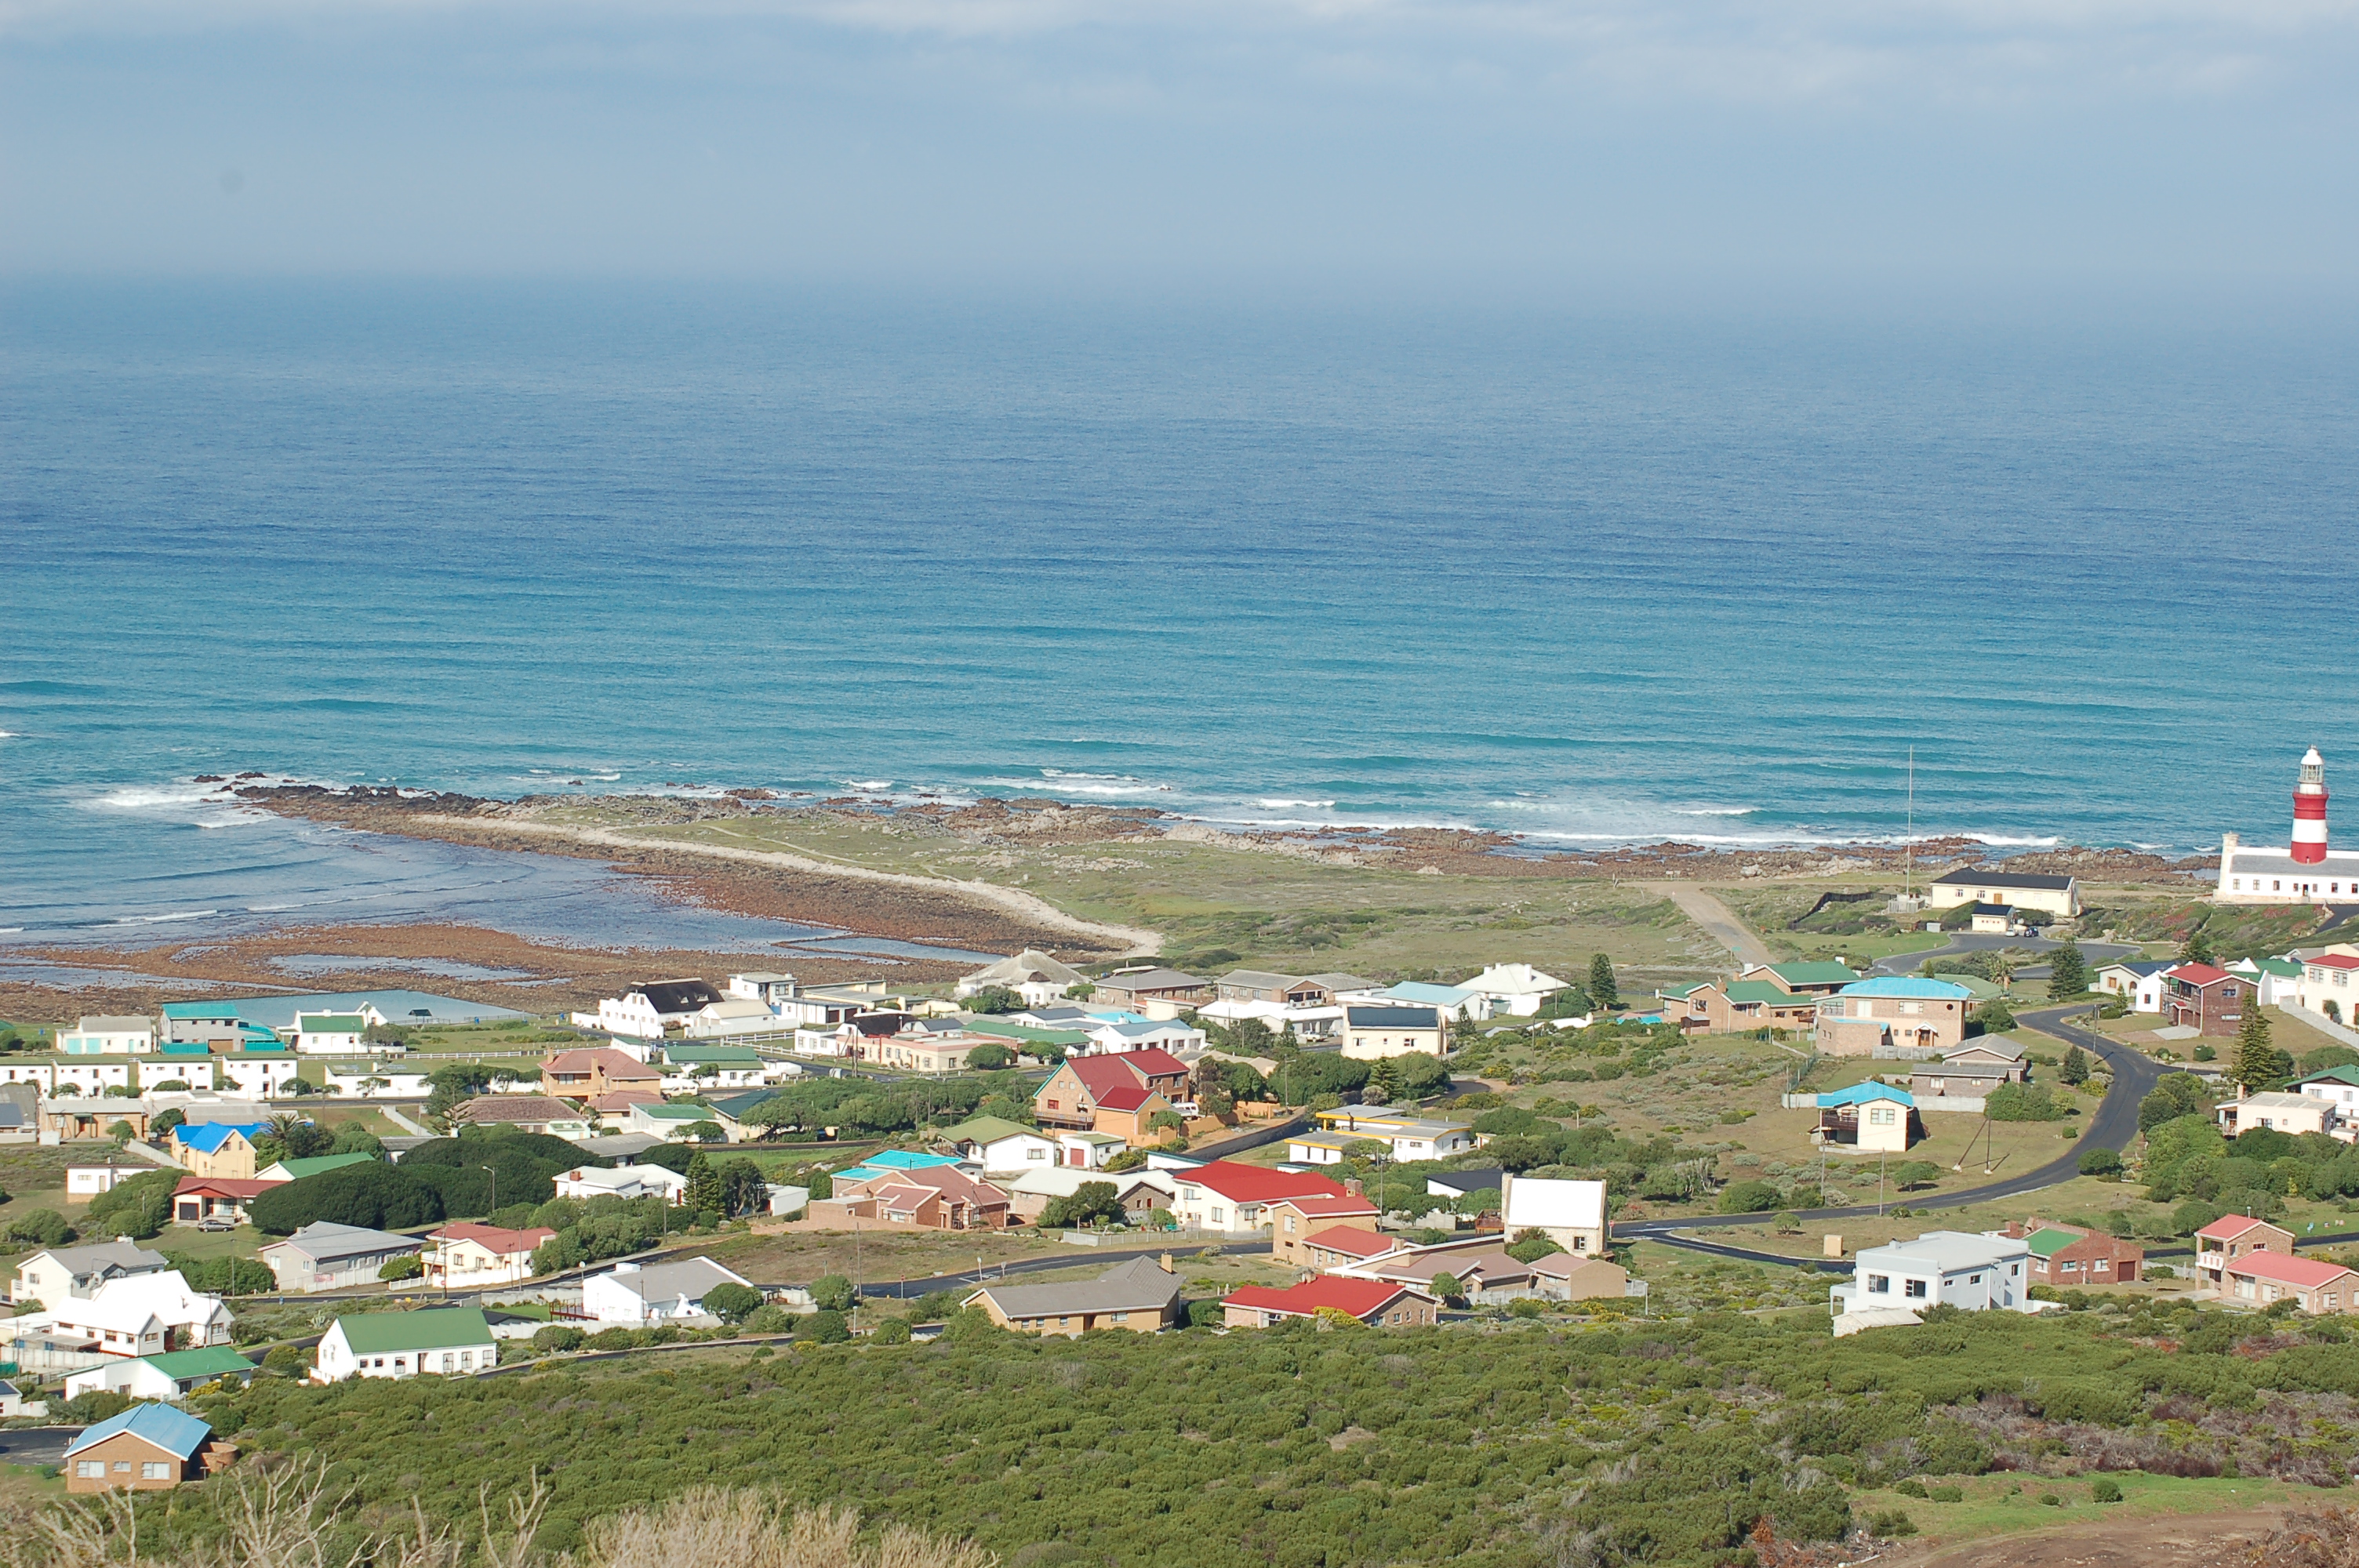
x=296 y=1170
x=166 y=1377
x=671 y=1122
x=331 y=1034
x=1732 y=1006
x=1822 y=977
x=440 y=1341
x=2074 y=1255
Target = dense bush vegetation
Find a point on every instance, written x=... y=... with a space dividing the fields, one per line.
x=857 y=1107
x=138 y=1208
x=382 y=1197
x=1662 y=1444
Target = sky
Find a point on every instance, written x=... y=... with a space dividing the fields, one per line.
x=1309 y=144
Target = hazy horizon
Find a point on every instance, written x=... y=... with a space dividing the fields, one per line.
x=1535 y=151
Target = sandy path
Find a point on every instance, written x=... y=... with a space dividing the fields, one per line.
x=1718 y=919
x=1028 y=906
x=2184 y=1541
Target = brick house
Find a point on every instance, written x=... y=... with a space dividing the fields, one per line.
x=2069 y=1254
x=1823 y=976
x=1729 y=1007
x=1342 y=1246
x=2314 y=1284
x=1119 y=1082
x=592 y=1072
x=1376 y=1303
x=1894 y=1010
x=2208 y=1000
x=1225 y=1196
x=1139 y=989
x=148 y=1448
x=933 y=1197
x=1292 y=1221
x=2234 y=1236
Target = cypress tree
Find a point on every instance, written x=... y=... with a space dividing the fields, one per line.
x=2076 y=1067
x=704 y=1191
x=2257 y=1059
x=1601 y=982
x=2067 y=972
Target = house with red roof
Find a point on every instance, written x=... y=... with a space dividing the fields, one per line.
x=2330 y=986
x=2234 y=1236
x=1225 y=1196
x=1292 y=1220
x=1379 y=1303
x=929 y=1197
x=2314 y=1284
x=2208 y=1000
x=1341 y=1246
x=200 y=1198
x=467 y=1254
x=1111 y=1093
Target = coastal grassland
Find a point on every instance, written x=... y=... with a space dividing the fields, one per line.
x=1494 y=1446
x=1217 y=905
x=799 y=1255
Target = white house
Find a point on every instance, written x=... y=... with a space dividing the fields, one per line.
x=2277 y=981
x=1372 y=1033
x=633 y=1296
x=1113 y=1039
x=1973 y=1273
x=166 y=1377
x=468 y=1255
x=1460 y=1004
x=142 y=1314
x=325 y=1256
x=56 y=1275
x=2138 y=983
x=255 y=1078
x=2058 y=896
x=108 y=1034
x=89 y=1181
x=2330 y=986
x=374 y=1080
x=442 y=1341
x=39 y=1074
x=2338 y=1087
x=733 y=1017
x=765 y=986
x=647 y=1009
x=333 y=1033
x=1430 y=1139
x=1035 y=976
x=1512 y=989
x=1571 y=1214
x=622 y=1182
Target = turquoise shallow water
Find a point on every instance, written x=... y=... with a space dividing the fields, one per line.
x=1593 y=579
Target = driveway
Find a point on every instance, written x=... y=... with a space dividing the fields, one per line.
x=37 y=1445
x=1718 y=919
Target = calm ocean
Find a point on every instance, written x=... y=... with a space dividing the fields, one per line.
x=1592 y=580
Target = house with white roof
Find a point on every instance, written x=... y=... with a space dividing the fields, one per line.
x=1516 y=989
x=1114 y=1038
x=765 y=986
x=734 y=1018
x=137 y=1315
x=1571 y=1214
x=622 y=1182
x=107 y=1034
x=634 y=1295
x=2277 y=1112
x=1972 y=1273
x=58 y=1274
x=1460 y=1004
x=1033 y=975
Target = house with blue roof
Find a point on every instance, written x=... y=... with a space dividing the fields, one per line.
x=1870 y=1117
x=218 y=1150
x=148 y=1448
x=885 y=1162
x=1461 y=1006
x=1915 y=1013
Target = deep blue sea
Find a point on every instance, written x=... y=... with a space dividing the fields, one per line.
x=1594 y=577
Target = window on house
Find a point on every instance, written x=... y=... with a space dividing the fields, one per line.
x=154 y=1472
x=122 y=1466
x=89 y=1469
x=1879 y=1285
x=1913 y=1287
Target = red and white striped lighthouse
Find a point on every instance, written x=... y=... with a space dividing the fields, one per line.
x=2310 y=812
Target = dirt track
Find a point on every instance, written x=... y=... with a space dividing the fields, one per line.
x=2190 y=1541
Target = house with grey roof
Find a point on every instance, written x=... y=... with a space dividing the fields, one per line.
x=634 y=1295
x=1896 y=1281
x=1141 y=1296
x=56 y=1275
x=324 y=1256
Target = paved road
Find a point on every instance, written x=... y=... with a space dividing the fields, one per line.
x=1718 y=919
x=37 y=1445
x=2098 y=954
x=2112 y=1127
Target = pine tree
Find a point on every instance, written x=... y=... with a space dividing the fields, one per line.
x=2257 y=1059
x=1383 y=1083
x=2076 y=1067
x=2067 y=972
x=1601 y=982
x=2197 y=948
x=704 y=1192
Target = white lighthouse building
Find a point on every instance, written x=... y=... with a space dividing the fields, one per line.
x=2305 y=871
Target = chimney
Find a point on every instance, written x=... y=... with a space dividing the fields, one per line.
x=1164 y=1263
x=1352 y=1185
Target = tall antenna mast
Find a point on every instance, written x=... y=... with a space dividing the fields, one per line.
x=1908 y=835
